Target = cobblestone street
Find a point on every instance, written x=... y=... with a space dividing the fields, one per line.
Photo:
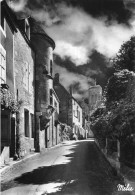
x=73 y=168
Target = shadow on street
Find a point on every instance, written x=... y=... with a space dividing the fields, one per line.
x=83 y=170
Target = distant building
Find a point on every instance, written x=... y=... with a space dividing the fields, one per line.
x=85 y=113
x=94 y=97
x=54 y=101
x=70 y=110
x=89 y=104
x=77 y=119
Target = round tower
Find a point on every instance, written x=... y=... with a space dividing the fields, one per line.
x=43 y=46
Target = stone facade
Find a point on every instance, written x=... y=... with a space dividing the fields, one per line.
x=43 y=45
x=95 y=97
x=24 y=60
x=55 y=119
x=85 y=117
x=7 y=30
x=70 y=110
x=64 y=98
x=77 y=118
x=26 y=69
x=17 y=76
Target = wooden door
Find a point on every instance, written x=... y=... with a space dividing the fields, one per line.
x=5 y=128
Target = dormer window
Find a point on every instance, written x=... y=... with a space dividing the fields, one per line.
x=51 y=97
x=27 y=28
x=51 y=70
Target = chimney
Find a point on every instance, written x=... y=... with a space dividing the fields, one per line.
x=71 y=90
x=56 y=79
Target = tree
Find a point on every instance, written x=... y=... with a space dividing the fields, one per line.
x=125 y=59
x=116 y=121
x=117 y=86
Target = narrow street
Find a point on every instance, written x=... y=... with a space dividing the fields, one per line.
x=76 y=167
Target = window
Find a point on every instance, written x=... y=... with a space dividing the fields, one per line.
x=27 y=28
x=51 y=98
x=76 y=112
x=78 y=116
x=48 y=133
x=2 y=66
x=26 y=122
x=51 y=67
x=32 y=126
x=55 y=104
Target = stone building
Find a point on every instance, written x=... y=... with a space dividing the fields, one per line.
x=7 y=30
x=54 y=100
x=30 y=106
x=77 y=119
x=94 y=97
x=24 y=74
x=70 y=110
x=17 y=86
x=46 y=99
x=85 y=113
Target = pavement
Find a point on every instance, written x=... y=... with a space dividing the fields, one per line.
x=6 y=168
x=11 y=164
x=127 y=173
x=77 y=167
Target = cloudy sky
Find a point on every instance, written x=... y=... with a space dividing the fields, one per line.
x=87 y=33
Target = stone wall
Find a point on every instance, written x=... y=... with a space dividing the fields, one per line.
x=58 y=134
x=42 y=140
x=95 y=95
x=6 y=48
x=24 y=88
x=64 y=97
x=29 y=144
x=76 y=113
x=9 y=58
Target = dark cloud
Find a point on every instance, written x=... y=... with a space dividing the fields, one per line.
x=117 y=9
x=98 y=68
x=86 y=32
x=121 y=10
x=111 y=8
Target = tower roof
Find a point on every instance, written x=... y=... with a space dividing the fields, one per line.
x=36 y=28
